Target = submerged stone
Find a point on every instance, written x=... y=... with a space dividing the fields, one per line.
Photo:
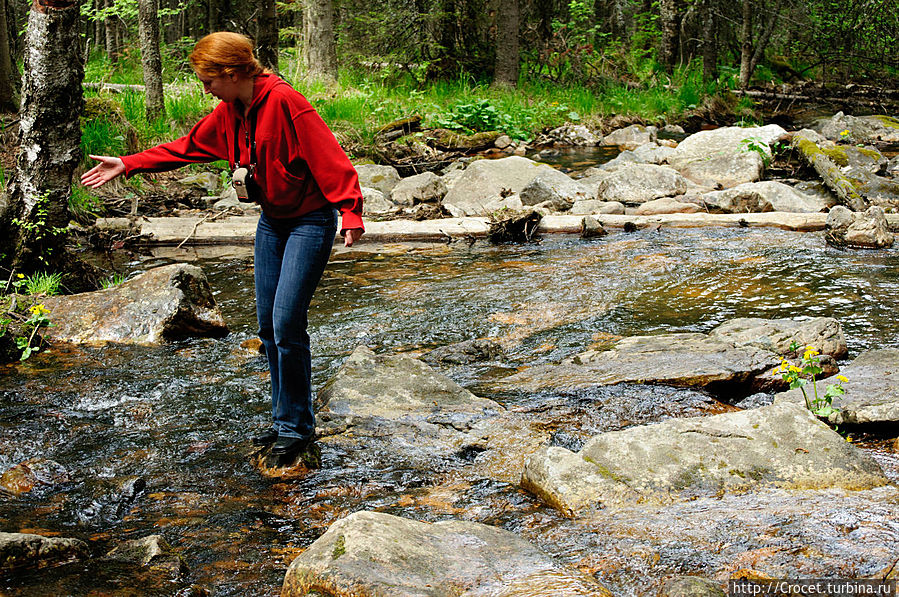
x=152 y=551
x=25 y=550
x=32 y=474
x=776 y=335
x=370 y=553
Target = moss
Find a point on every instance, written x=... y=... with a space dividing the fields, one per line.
x=339 y=547
x=838 y=155
x=888 y=121
x=871 y=153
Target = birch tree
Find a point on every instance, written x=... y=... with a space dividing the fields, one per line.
x=320 y=51
x=37 y=217
x=151 y=60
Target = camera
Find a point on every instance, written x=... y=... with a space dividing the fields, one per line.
x=239 y=180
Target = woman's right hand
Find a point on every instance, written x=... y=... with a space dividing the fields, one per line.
x=108 y=169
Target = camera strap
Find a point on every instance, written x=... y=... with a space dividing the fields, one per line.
x=251 y=140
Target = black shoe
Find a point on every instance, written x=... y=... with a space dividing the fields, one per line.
x=265 y=438
x=290 y=445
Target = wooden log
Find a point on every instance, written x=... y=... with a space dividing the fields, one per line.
x=831 y=174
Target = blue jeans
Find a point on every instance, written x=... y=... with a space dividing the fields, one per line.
x=290 y=257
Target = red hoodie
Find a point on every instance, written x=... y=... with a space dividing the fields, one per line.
x=300 y=167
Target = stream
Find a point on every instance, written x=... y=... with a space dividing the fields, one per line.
x=178 y=415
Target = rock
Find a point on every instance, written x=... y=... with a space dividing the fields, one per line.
x=447 y=140
x=396 y=386
x=485 y=179
x=776 y=335
x=639 y=183
x=207 y=181
x=681 y=359
x=666 y=205
x=499 y=203
x=758 y=197
x=421 y=188
x=555 y=187
x=115 y=501
x=859 y=129
x=619 y=161
x=229 y=200
x=592 y=228
x=691 y=586
x=574 y=134
x=24 y=550
x=32 y=474
x=152 y=551
x=631 y=137
x=872 y=393
x=570 y=484
x=673 y=129
x=382 y=178
x=725 y=156
x=596 y=206
x=167 y=302
x=469 y=351
x=868 y=230
x=782 y=445
x=374 y=202
x=652 y=153
x=372 y=553
x=502 y=142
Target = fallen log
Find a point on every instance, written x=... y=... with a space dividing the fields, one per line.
x=806 y=142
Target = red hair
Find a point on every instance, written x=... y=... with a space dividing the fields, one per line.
x=225 y=53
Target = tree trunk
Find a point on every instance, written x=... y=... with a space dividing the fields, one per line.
x=267 y=34
x=109 y=23
x=49 y=137
x=320 y=53
x=8 y=74
x=507 y=59
x=746 y=45
x=709 y=41
x=669 y=17
x=151 y=60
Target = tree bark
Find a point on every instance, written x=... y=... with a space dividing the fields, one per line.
x=49 y=140
x=507 y=57
x=151 y=59
x=8 y=75
x=267 y=34
x=709 y=41
x=669 y=16
x=746 y=45
x=320 y=52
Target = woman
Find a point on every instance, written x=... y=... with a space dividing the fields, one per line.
x=301 y=175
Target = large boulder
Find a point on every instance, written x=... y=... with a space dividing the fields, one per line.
x=666 y=205
x=370 y=553
x=639 y=183
x=859 y=129
x=25 y=550
x=167 y=302
x=420 y=188
x=867 y=230
x=680 y=359
x=726 y=156
x=782 y=445
x=653 y=153
x=632 y=136
x=577 y=135
x=776 y=335
x=554 y=188
x=374 y=202
x=872 y=393
x=757 y=197
x=382 y=178
x=483 y=180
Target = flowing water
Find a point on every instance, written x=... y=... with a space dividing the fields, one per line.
x=176 y=416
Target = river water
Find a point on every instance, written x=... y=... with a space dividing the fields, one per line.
x=177 y=415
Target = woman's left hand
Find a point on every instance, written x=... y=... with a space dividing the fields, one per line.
x=351 y=236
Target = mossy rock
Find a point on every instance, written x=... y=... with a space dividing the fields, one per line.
x=103 y=107
x=453 y=141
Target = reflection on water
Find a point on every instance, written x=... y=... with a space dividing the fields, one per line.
x=177 y=415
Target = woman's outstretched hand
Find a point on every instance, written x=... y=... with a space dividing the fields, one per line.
x=108 y=169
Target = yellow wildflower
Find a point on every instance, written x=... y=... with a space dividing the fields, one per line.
x=39 y=309
x=795 y=369
x=842 y=378
x=810 y=351
x=844 y=133
x=20 y=276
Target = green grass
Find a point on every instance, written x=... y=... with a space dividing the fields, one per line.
x=43 y=283
x=361 y=103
